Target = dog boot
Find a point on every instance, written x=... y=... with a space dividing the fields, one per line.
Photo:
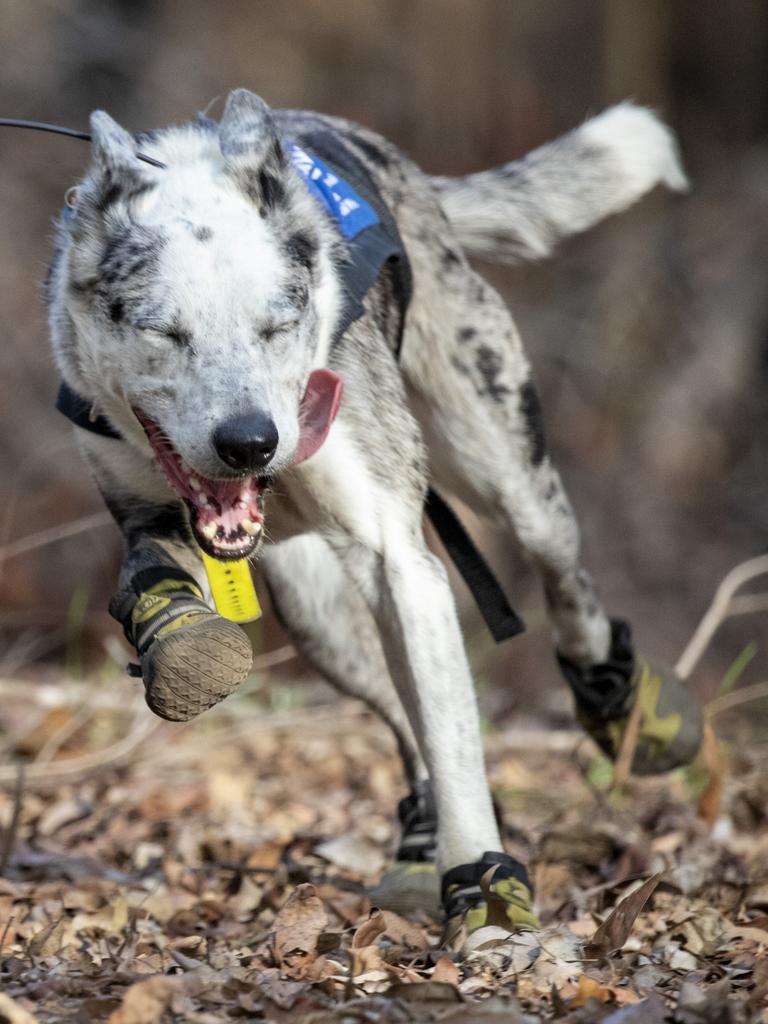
x=190 y=657
x=492 y=891
x=671 y=724
x=412 y=884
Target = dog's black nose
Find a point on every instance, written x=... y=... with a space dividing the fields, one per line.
x=246 y=443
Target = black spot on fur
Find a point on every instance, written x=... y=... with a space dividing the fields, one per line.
x=178 y=335
x=301 y=249
x=297 y=295
x=449 y=258
x=272 y=190
x=461 y=366
x=202 y=234
x=466 y=334
x=489 y=363
x=530 y=408
x=374 y=153
x=138 y=519
x=116 y=311
x=126 y=256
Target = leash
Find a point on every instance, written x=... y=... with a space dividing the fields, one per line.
x=72 y=133
x=378 y=244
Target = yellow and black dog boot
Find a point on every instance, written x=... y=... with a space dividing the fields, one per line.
x=671 y=724
x=411 y=884
x=190 y=657
x=494 y=890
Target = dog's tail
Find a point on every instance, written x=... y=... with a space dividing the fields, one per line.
x=519 y=211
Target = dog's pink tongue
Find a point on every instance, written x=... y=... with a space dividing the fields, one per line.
x=317 y=411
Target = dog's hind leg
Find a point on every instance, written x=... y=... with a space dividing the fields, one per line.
x=478 y=406
x=330 y=623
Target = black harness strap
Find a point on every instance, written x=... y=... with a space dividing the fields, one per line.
x=500 y=617
x=76 y=408
x=375 y=247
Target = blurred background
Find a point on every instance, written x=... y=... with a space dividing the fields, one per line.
x=649 y=336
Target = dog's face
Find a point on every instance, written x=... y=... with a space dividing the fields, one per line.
x=196 y=296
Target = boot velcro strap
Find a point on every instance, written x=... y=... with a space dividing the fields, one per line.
x=157 y=597
x=418 y=825
x=605 y=689
x=461 y=885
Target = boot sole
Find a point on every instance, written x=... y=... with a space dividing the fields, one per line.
x=189 y=671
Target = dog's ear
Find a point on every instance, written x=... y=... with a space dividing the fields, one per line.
x=250 y=145
x=115 y=162
x=114 y=149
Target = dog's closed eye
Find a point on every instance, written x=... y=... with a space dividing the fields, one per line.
x=164 y=332
x=271 y=330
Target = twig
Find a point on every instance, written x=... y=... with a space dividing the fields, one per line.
x=718 y=611
x=73 y=767
x=9 y=836
x=736 y=697
x=623 y=768
x=6 y=928
x=57 y=695
x=59 y=737
x=53 y=535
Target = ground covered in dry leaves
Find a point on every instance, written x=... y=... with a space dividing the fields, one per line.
x=220 y=872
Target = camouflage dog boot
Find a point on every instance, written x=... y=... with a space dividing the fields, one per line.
x=190 y=657
x=670 y=725
x=412 y=884
x=494 y=890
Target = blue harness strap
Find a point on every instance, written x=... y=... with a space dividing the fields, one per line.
x=344 y=187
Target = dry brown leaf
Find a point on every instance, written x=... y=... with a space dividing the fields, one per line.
x=616 y=928
x=370 y=930
x=297 y=928
x=709 y=802
x=446 y=971
x=364 y=959
x=12 y=1013
x=146 y=1001
x=403 y=933
x=588 y=988
x=49 y=940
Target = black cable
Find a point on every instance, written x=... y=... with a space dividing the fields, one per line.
x=41 y=126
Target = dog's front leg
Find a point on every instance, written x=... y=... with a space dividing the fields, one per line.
x=407 y=588
x=190 y=657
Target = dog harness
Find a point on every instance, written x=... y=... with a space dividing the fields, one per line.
x=342 y=184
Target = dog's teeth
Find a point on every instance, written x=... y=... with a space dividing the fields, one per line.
x=201 y=500
x=193 y=483
x=250 y=527
x=245 y=496
x=241 y=504
x=208 y=531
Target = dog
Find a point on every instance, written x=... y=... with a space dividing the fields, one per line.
x=239 y=391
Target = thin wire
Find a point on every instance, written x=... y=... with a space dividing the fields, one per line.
x=41 y=126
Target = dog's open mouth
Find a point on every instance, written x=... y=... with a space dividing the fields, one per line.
x=226 y=516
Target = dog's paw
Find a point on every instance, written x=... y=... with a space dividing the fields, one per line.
x=190 y=669
x=492 y=891
x=191 y=658
x=408 y=888
x=668 y=716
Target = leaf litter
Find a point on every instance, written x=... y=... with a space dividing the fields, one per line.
x=222 y=873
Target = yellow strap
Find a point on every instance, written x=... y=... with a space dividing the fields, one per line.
x=232 y=588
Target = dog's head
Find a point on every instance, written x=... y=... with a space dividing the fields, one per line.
x=193 y=301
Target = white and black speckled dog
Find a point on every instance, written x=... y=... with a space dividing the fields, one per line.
x=200 y=316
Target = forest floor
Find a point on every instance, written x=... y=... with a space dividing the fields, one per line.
x=220 y=871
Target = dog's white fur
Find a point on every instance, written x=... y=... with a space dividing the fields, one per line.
x=526 y=223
